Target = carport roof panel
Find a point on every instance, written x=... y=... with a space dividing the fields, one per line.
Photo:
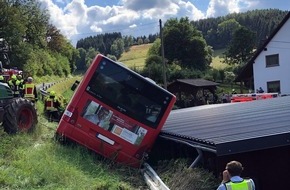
x=234 y=127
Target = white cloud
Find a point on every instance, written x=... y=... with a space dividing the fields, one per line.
x=133 y=26
x=189 y=10
x=222 y=7
x=76 y=20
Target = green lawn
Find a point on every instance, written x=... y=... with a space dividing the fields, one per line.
x=217 y=60
x=136 y=56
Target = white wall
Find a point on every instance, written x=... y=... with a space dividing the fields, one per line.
x=280 y=44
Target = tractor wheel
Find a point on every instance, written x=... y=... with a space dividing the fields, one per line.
x=19 y=116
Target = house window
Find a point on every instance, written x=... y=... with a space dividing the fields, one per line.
x=273 y=86
x=272 y=60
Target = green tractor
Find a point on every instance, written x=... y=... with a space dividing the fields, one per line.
x=16 y=114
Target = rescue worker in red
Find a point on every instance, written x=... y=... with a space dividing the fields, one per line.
x=52 y=106
x=29 y=90
x=15 y=85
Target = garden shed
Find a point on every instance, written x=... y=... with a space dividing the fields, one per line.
x=193 y=92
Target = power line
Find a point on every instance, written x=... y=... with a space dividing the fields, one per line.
x=147 y=26
x=278 y=41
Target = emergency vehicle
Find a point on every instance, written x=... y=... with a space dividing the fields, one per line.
x=252 y=97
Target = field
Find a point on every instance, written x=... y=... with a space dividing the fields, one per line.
x=217 y=60
x=136 y=56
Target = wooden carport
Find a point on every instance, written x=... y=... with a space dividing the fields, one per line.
x=193 y=92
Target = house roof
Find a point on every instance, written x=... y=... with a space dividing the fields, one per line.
x=196 y=82
x=247 y=71
x=185 y=84
x=233 y=128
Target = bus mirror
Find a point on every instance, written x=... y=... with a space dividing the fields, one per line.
x=74 y=86
x=149 y=79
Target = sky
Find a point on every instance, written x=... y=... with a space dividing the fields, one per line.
x=77 y=19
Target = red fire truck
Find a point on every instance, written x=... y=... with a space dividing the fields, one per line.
x=252 y=97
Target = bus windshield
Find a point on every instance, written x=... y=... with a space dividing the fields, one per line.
x=127 y=92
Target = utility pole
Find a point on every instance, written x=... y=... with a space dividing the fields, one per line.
x=162 y=54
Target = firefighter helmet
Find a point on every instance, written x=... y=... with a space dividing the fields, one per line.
x=52 y=93
x=13 y=77
x=29 y=79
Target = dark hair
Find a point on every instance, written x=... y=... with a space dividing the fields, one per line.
x=234 y=168
x=104 y=110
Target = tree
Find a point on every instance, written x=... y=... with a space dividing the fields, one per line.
x=184 y=43
x=117 y=48
x=155 y=49
x=128 y=42
x=153 y=68
x=112 y=57
x=241 y=47
x=226 y=30
x=91 y=54
x=36 y=22
x=140 y=41
x=24 y=25
x=81 y=60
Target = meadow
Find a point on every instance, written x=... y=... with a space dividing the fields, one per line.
x=136 y=56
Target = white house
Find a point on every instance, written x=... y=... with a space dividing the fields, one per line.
x=270 y=66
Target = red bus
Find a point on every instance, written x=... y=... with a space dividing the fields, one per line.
x=116 y=112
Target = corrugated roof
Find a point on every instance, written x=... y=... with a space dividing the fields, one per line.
x=197 y=82
x=233 y=127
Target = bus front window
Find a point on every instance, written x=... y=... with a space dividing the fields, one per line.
x=122 y=90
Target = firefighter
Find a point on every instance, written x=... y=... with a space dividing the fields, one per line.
x=52 y=106
x=14 y=84
x=2 y=79
x=21 y=84
x=29 y=90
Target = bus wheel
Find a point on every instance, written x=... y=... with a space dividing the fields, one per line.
x=19 y=116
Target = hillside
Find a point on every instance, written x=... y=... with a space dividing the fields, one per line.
x=217 y=31
x=136 y=56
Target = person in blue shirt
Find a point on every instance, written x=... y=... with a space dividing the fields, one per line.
x=232 y=179
x=100 y=118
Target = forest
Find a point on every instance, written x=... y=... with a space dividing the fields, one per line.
x=39 y=48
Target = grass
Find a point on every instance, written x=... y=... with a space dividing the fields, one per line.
x=136 y=56
x=177 y=175
x=36 y=161
x=217 y=60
